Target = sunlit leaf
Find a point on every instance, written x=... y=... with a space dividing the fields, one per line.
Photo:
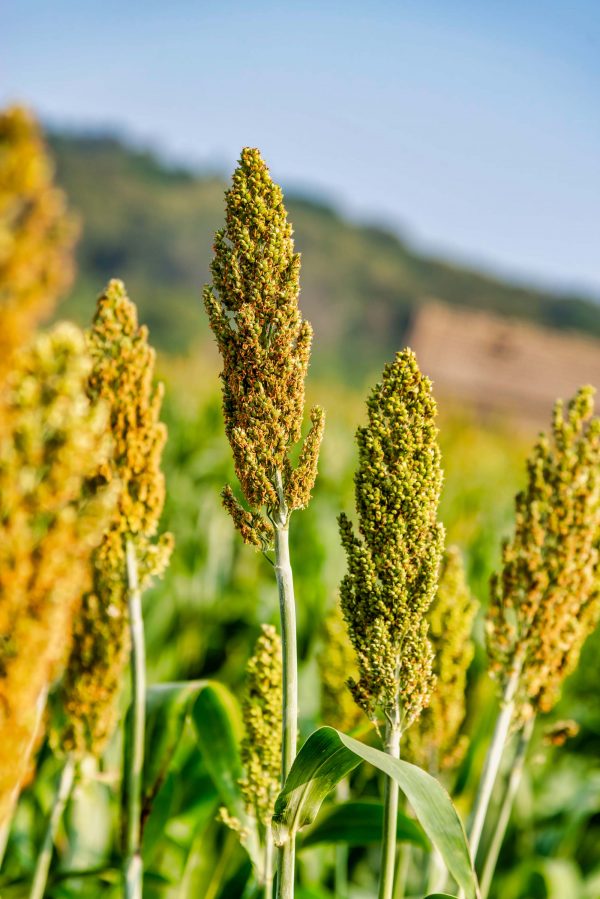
x=328 y=756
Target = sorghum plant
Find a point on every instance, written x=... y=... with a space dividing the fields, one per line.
x=51 y=442
x=393 y=564
x=261 y=745
x=37 y=233
x=547 y=599
x=265 y=345
x=110 y=624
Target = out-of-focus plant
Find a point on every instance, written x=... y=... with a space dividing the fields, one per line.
x=546 y=601
x=37 y=233
x=261 y=746
x=265 y=345
x=435 y=742
x=109 y=623
x=393 y=565
x=51 y=441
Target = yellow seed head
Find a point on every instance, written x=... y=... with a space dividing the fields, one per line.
x=51 y=441
x=37 y=234
x=261 y=711
x=546 y=600
x=265 y=345
x=122 y=377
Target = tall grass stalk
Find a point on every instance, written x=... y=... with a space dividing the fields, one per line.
x=493 y=761
x=390 y=817
x=63 y=792
x=510 y=792
x=133 y=869
x=287 y=607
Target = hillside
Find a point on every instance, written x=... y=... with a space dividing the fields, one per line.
x=153 y=225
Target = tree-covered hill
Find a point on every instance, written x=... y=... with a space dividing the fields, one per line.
x=153 y=226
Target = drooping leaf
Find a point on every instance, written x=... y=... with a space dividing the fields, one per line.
x=360 y=823
x=328 y=756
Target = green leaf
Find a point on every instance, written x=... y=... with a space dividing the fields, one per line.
x=219 y=729
x=440 y=896
x=360 y=824
x=328 y=756
x=167 y=707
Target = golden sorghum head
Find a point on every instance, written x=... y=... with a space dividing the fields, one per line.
x=122 y=378
x=547 y=599
x=37 y=234
x=261 y=745
x=393 y=561
x=337 y=662
x=261 y=711
x=433 y=742
x=51 y=440
x=253 y=310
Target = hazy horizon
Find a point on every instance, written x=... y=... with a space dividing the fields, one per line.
x=472 y=132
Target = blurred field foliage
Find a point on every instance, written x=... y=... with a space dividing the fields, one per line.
x=203 y=619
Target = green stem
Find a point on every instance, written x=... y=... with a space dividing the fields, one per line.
x=42 y=866
x=390 y=817
x=492 y=762
x=133 y=869
x=508 y=799
x=285 y=583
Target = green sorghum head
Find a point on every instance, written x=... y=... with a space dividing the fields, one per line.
x=265 y=345
x=546 y=600
x=434 y=742
x=393 y=561
x=123 y=378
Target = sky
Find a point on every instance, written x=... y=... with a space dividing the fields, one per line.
x=472 y=128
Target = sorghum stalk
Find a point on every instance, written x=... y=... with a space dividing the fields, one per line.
x=390 y=816
x=393 y=564
x=287 y=608
x=337 y=662
x=265 y=345
x=128 y=557
x=512 y=786
x=65 y=785
x=133 y=859
x=493 y=760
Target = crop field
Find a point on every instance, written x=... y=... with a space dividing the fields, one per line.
x=267 y=629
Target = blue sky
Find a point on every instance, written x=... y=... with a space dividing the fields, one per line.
x=472 y=127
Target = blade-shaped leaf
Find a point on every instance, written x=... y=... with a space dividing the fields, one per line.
x=360 y=824
x=440 y=896
x=328 y=756
x=218 y=724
